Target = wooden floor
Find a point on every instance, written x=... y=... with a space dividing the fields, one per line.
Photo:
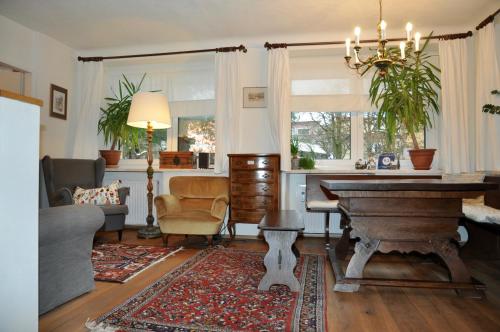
x=371 y=309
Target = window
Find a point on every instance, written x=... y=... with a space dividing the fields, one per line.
x=140 y=150
x=331 y=114
x=327 y=135
x=196 y=134
x=375 y=139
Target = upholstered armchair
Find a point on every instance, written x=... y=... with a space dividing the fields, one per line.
x=62 y=176
x=196 y=206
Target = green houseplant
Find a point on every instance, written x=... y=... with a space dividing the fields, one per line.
x=406 y=96
x=113 y=121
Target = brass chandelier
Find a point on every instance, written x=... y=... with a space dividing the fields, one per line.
x=384 y=57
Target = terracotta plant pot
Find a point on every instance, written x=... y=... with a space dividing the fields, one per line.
x=112 y=157
x=422 y=158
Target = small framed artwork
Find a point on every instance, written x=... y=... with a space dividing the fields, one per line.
x=386 y=161
x=255 y=97
x=58 y=102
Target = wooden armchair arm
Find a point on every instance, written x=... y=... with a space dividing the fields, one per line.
x=167 y=204
x=219 y=206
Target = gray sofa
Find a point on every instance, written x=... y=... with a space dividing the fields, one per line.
x=65 y=247
x=62 y=176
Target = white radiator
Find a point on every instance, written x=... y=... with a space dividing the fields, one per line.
x=137 y=201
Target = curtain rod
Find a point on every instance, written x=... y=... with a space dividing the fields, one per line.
x=487 y=20
x=365 y=41
x=240 y=48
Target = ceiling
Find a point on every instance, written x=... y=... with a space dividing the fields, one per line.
x=89 y=24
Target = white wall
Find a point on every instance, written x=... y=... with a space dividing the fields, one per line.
x=19 y=217
x=50 y=62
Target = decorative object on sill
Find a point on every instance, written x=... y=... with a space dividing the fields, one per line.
x=58 y=102
x=117 y=262
x=360 y=164
x=255 y=97
x=371 y=164
x=294 y=151
x=175 y=159
x=113 y=121
x=307 y=162
x=221 y=285
x=149 y=110
x=203 y=160
x=387 y=161
x=406 y=97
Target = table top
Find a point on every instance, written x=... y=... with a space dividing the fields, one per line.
x=284 y=220
x=406 y=185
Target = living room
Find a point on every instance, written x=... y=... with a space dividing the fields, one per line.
x=334 y=167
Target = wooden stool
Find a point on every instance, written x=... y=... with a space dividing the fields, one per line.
x=324 y=206
x=280 y=230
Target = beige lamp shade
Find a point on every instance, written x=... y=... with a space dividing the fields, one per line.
x=149 y=107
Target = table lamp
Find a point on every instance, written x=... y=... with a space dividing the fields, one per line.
x=149 y=110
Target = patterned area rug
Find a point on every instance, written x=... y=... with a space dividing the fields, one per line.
x=120 y=262
x=216 y=290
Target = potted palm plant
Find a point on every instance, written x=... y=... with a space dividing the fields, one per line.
x=294 y=151
x=113 y=121
x=407 y=96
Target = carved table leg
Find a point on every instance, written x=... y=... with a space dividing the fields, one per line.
x=363 y=250
x=280 y=261
x=448 y=252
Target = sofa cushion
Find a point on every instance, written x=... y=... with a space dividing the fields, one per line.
x=98 y=196
x=114 y=209
x=481 y=213
x=190 y=222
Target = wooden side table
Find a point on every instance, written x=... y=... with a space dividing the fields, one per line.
x=280 y=230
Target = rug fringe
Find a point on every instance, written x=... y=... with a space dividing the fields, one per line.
x=101 y=327
x=158 y=261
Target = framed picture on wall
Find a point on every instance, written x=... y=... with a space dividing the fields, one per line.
x=58 y=102
x=255 y=97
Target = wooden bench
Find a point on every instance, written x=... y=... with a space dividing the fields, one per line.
x=482 y=221
x=280 y=230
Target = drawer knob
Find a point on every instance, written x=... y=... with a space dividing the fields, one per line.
x=266 y=176
x=265 y=189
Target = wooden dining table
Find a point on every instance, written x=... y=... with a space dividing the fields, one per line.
x=403 y=216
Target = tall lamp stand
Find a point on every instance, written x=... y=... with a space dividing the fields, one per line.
x=150 y=231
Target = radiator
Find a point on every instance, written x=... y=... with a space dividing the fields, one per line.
x=137 y=201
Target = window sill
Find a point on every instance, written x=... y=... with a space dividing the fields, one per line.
x=402 y=171
x=142 y=169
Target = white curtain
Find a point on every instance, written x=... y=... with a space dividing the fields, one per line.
x=227 y=108
x=89 y=98
x=278 y=71
x=456 y=129
x=487 y=80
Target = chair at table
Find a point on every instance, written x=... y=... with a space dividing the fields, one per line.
x=62 y=176
x=196 y=206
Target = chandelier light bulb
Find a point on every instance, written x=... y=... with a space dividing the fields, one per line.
x=402 y=47
x=348 y=47
x=357 y=34
x=383 y=27
x=417 y=41
x=409 y=28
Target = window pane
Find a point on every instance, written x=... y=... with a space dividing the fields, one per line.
x=321 y=87
x=325 y=134
x=196 y=134
x=375 y=139
x=140 y=150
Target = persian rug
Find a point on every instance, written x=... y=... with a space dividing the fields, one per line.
x=118 y=262
x=216 y=290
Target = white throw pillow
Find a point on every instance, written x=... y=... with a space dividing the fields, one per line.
x=106 y=195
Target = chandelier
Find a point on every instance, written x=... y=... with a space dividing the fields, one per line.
x=384 y=57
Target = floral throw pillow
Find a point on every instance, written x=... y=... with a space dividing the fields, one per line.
x=98 y=196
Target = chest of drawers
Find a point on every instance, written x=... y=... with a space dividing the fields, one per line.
x=255 y=187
